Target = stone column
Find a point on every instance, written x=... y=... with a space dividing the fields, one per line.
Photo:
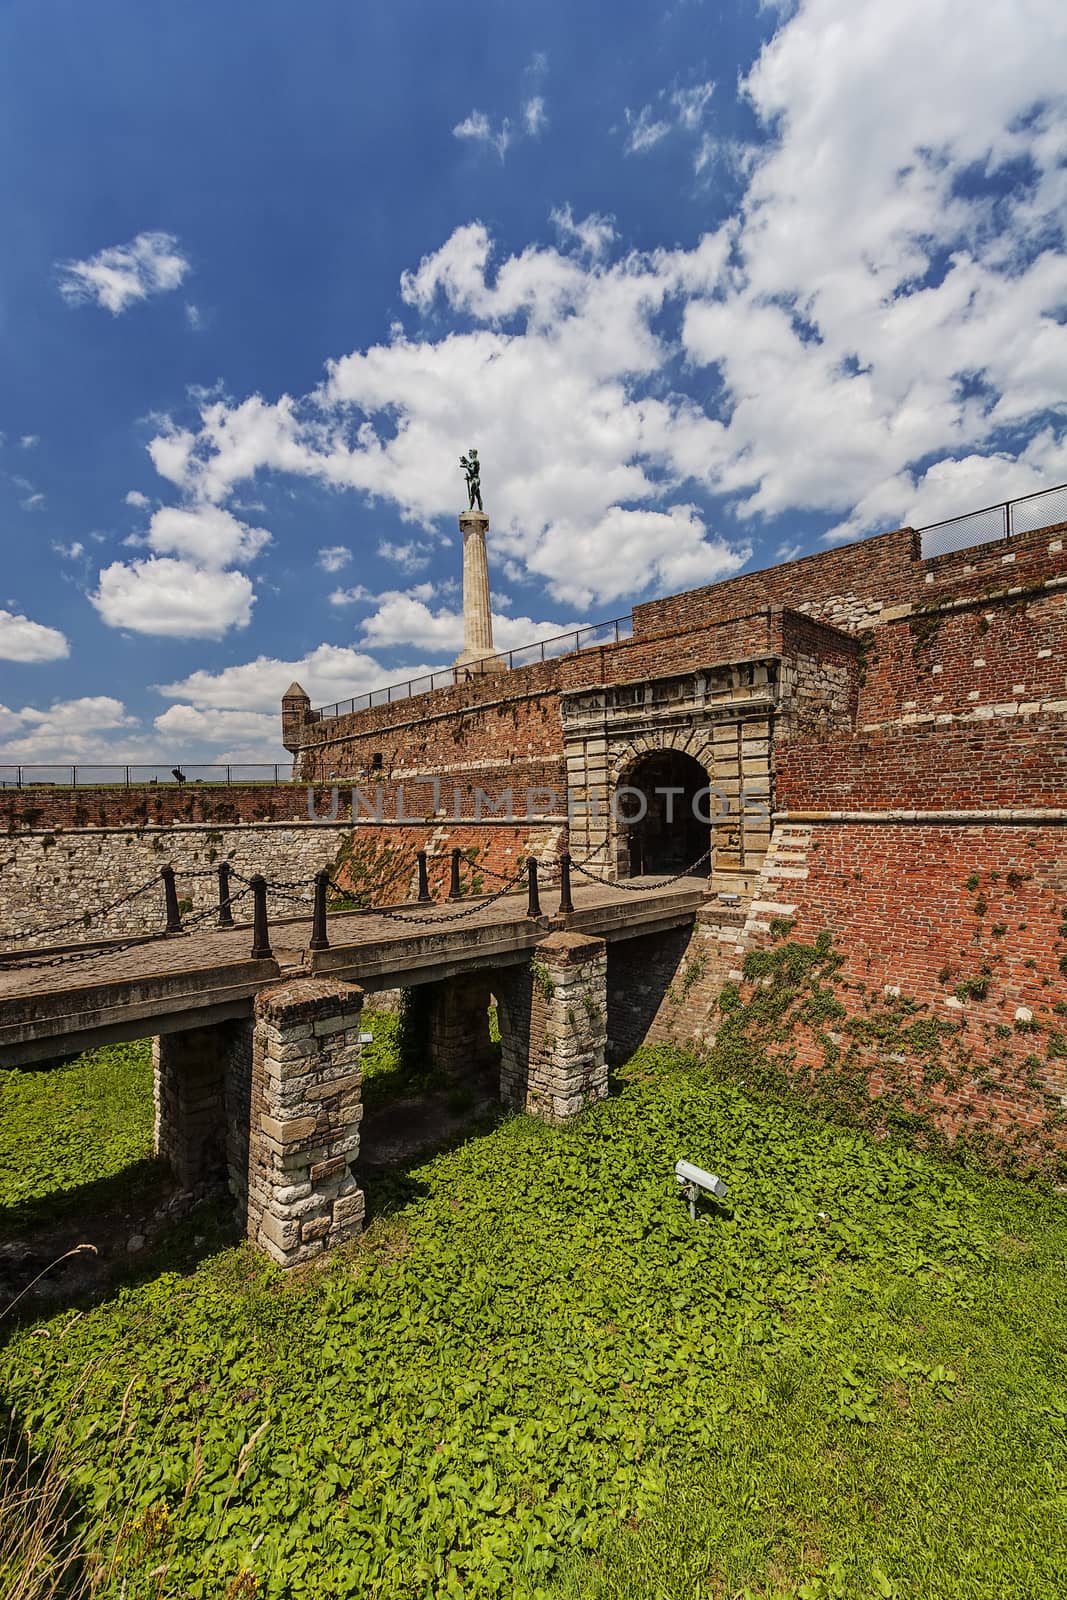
x=305 y=1115
x=553 y=1028
x=477 y=653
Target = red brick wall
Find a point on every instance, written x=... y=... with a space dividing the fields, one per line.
x=880 y=570
x=107 y=807
x=733 y=639
x=925 y=912
x=951 y=662
x=884 y=571
x=63 y=809
x=1006 y=563
x=1009 y=764
x=501 y=717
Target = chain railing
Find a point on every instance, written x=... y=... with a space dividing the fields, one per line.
x=1043 y=509
x=308 y=893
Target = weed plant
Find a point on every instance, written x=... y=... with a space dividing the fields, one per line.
x=536 y=1377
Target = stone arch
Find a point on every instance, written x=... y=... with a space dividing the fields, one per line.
x=670 y=832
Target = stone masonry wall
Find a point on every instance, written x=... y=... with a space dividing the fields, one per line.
x=304 y=1123
x=553 y=1028
x=46 y=878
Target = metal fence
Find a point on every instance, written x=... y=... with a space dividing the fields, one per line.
x=92 y=775
x=1040 y=510
x=560 y=644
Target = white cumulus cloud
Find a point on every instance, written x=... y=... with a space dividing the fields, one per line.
x=332 y=557
x=883 y=315
x=23 y=640
x=90 y=728
x=174 y=599
x=328 y=673
x=119 y=276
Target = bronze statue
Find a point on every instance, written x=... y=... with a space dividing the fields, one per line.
x=472 y=467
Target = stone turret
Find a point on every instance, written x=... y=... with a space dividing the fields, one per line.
x=477 y=655
x=296 y=714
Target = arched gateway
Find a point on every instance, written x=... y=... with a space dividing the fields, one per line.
x=663 y=811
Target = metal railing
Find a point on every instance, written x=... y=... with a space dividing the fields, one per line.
x=84 y=775
x=1042 y=509
x=560 y=644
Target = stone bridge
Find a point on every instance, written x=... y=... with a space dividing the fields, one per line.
x=257 y=1055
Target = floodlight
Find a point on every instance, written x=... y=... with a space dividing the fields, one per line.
x=693 y=1180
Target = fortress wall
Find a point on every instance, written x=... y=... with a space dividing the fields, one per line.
x=738 y=638
x=846 y=586
x=1001 y=657
x=1024 y=559
x=107 y=806
x=47 y=810
x=1011 y=764
x=951 y=993
x=496 y=717
x=851 y=585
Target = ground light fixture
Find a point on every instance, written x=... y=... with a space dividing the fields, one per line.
x=693 y=1180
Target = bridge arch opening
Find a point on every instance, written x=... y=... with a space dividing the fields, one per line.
x=662 y=814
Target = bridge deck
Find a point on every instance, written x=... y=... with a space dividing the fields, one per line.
x=190 y=980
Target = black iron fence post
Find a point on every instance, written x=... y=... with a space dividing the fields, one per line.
x=261 y=950
x=319 y=937
x=533 y=906
x=454 y=890
x=225 y=910
x=170 y=897
x=565 y=901
x=424 y=878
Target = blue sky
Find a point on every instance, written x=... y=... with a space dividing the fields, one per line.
x=708 y=286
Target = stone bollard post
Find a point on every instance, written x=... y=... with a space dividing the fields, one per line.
x=553 y=1028
x=424 y=878
x=225 y=911
x=305 y=1116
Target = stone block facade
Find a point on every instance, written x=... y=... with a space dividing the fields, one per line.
x=553 y=1028
x=305 y=1113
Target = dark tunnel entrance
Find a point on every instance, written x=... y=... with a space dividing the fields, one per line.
x=663 y=815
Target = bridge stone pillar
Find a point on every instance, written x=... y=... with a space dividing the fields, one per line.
x=553 y=1028
x=305 y=1115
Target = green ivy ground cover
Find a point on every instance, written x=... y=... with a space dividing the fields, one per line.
x=87 y=1122
x=535 y=1376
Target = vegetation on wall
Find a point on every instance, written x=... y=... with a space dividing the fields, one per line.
x=372 y=870
x=881 y=1059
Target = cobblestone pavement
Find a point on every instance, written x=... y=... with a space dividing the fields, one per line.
x=197 y=951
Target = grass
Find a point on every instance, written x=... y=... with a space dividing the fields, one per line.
x=76 y=1136
x=535 y=1377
